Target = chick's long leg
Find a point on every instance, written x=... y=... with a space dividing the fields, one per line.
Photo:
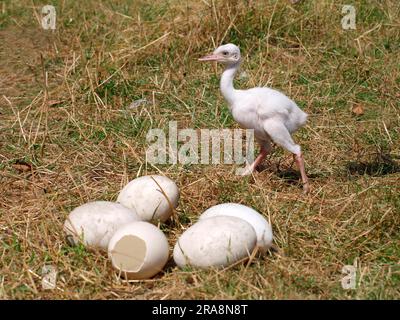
x=250 y=168
x=264 y=151
x=260 y=158
x=281 y=136
x=300 y=163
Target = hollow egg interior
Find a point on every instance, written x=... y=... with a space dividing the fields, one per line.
x=129 y=253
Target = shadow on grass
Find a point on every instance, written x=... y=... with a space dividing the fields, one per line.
x=382 y=165
x=290 y=175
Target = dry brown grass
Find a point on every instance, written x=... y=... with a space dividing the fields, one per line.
x=67 y=137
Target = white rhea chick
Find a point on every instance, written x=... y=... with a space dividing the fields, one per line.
x=272 y=115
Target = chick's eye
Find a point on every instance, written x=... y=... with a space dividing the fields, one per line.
x=225 y=53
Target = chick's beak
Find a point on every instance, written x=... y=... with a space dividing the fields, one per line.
x=211 y=57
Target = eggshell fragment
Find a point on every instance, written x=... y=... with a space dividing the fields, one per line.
x=138 y=250
x=153 y=197
x=215 y=242
x=95 y=222
x=258 y=222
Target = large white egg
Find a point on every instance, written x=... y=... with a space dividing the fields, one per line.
x=258 y=222
x=95 y=222
x=215 y=242
x=138 y=250
x=151 y=200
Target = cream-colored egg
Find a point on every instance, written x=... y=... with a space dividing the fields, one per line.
x=153 y=197
x=94 y=223
x=258 y=222
x=138 y=250
x=215 y=242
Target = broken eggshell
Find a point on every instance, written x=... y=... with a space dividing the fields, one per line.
x=215 y=242
x=94 y=223
x=153 y=197
x=138 y=250
x=258 y=222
